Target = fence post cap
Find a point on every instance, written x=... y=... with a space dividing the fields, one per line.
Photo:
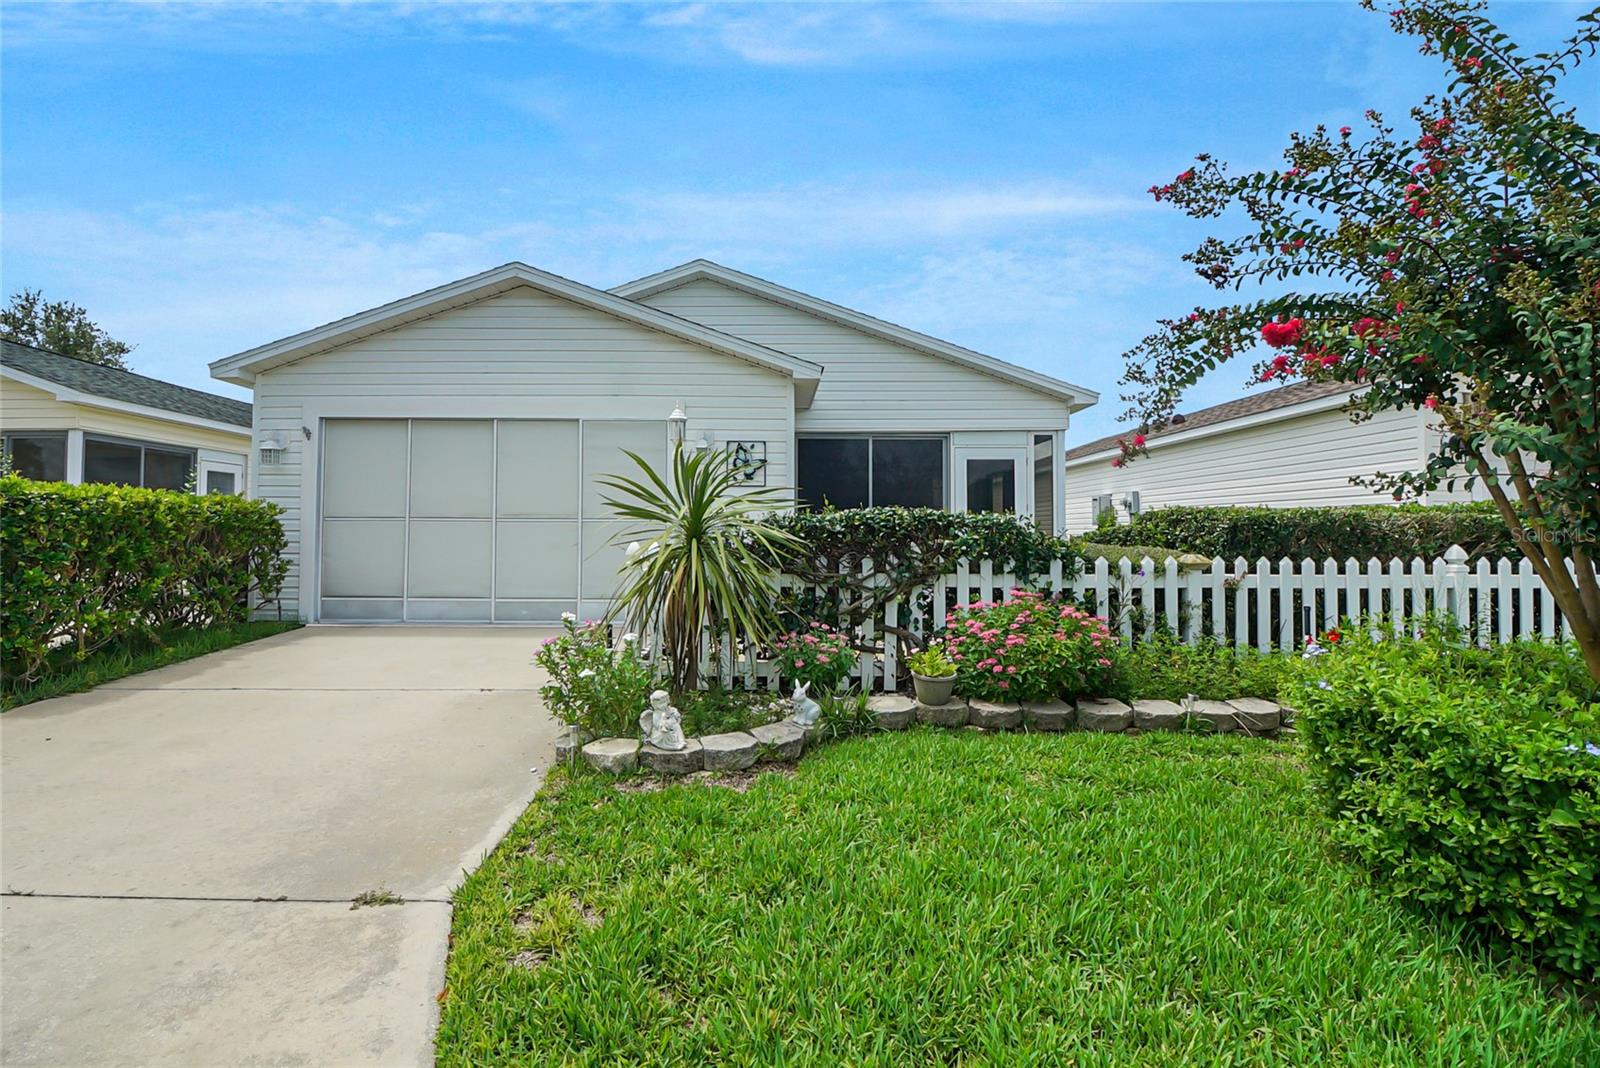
x=1191 y=561
x=1455 y=555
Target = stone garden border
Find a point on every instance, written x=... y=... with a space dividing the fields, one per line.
x=786 y=740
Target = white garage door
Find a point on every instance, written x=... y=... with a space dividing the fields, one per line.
x=472 y=520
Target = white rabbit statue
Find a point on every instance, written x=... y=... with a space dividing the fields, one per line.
x=806 y=710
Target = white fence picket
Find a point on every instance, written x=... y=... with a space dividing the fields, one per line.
x=1266 y=604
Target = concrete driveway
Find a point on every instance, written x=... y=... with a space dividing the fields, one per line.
x=179 y=850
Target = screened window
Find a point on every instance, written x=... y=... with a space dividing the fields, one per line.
x=223 y=482
x=42 y=457
x=134 y=463
x=872 y=472
x=991 y=486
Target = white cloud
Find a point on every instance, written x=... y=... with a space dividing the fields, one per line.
x=766 y=34
x=862 y=214
x=190 y=283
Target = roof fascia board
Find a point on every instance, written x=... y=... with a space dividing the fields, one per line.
x=68 y=395
x=1243 y=422
x=241 y=367
x=1078 y=397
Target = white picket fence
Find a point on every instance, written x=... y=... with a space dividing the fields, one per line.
x=1264 y=605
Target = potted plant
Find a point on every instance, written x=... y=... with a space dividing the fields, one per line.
x=933 y=674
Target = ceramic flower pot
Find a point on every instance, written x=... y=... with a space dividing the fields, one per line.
x=931 y=690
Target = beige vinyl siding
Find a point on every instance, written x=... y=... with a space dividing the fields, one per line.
x=1296 y=461
x=867 y=383
x=22 y=407
x=499 y=355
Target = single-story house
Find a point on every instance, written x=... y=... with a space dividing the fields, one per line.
x=436 y=457
x=1286 y=447
x=68 y=420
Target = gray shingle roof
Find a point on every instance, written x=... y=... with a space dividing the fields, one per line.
x=1254 y=404
x=116 y=384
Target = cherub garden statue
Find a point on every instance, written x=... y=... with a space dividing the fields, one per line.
x=661 y=724
x=806 y=710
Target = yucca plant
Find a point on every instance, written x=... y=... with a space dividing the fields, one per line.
x=708 y=556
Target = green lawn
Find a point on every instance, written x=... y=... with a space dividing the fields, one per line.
x=120 y=661
x=956 y=898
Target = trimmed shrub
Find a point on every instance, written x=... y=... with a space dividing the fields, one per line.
x=1359 y=531
x=1028 y=648
x=1468 y=780
x=86 y=565
x=909 y=549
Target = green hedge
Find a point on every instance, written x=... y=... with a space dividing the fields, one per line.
x=1468 y=780
x=1359 y=531
x=934 y=538
x=87 y=565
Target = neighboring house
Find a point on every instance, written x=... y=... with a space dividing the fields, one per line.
x=1285 y=447
x=68 y=420
x=436 y=457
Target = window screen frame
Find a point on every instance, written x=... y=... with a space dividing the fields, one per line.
x=90 y=437
x=53 y=435
x=943 y=441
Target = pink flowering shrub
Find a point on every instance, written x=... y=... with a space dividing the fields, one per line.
x=815 y=653
x=1028 y=648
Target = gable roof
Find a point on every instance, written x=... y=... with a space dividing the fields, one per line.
x=79 y=381
x=1255 y=404
x=696 y=270
x=242 y=367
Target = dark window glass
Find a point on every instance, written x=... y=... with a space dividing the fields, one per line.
x=110 y=461
x=1044 y=482
x=220 y=482
x=991 y=486
x=166 y=470
x=42 y=457
x=833 y=471
x=908 y=472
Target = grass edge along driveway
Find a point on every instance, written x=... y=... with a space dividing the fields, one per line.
x=962 y=898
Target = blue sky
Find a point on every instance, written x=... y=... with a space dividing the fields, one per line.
x=205 y=178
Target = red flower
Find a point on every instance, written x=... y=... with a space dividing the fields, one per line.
x=1194 y=317
x=1187 y=176
x=1392 y=256
x=1138 y=441
x=1431 y=403
x=1116 y=461
x=1344 y=131
x=1367 y=326
x=1443 y=126
x=1284 y=334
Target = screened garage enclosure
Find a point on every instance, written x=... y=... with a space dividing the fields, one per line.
x=473 y=520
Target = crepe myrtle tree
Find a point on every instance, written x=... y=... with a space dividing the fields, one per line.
x=1449 y=262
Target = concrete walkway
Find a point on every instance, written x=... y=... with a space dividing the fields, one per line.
x=179 y=850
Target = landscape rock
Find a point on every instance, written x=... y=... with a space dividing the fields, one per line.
x=1104 y=714
x=892 y=711
x=992 y=716
x=1255 y=715
x=572 y=739
x=672 y=761
x=1220 y=714
x=950 y=714
x=1155 y=715
x=1049 y=715
x=780 y=741
x=733 y=751
x=615 y=755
